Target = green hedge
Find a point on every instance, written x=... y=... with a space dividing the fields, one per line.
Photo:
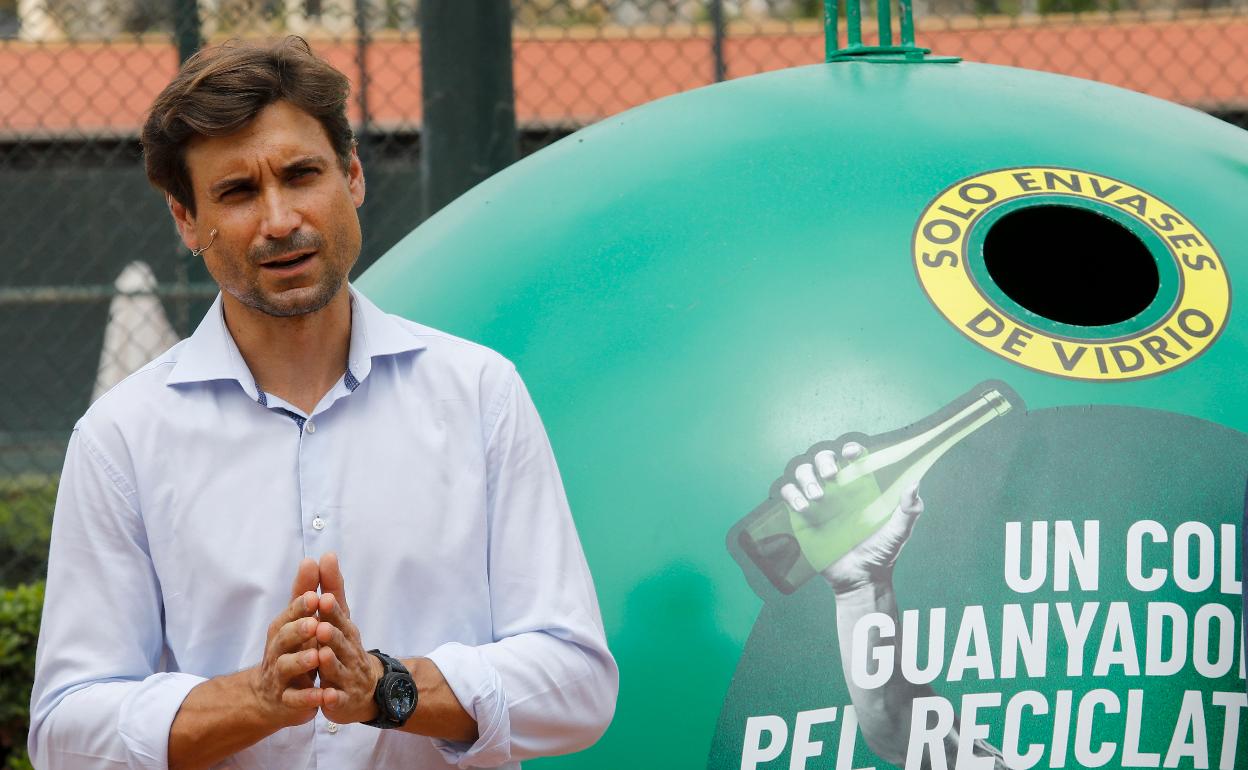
x=20 y=609
x=25 y=527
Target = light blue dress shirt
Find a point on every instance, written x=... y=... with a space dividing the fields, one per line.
x=189 y=496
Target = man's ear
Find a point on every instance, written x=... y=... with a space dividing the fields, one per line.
x=355 y=179
x=184 y=220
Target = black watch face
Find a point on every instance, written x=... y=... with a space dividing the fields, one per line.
x=401 y=695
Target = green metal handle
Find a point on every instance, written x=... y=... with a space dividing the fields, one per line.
x=885 y=49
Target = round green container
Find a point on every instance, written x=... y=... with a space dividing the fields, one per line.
x=704 y=292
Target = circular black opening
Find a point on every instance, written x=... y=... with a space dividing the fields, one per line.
x=1071 y=265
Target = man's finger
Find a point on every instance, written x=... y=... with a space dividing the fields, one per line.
x=293 y=664
x=334 y=613
x=307 y=578
x=334 y=704
x=331 y=579
x=331 y=668
x=329 y=634
x=302 y=606
x=305 y=698
x=292 y=636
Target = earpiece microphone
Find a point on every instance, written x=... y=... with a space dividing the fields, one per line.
x=211 y=237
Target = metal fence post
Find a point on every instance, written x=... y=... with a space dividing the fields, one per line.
x=362 y=40
x=469 y=129
x=186 y=30
x=719 y=31
x=189 y=39
x=364 y=136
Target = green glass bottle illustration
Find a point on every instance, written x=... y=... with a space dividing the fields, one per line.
x=791 y=547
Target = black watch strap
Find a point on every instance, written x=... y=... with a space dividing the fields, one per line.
x=394 y=678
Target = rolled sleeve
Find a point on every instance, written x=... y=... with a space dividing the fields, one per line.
x=548 y=684
x=147 y=713
x=479 y=690
x=98 y=698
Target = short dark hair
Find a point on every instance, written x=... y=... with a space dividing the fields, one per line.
x=221 y=89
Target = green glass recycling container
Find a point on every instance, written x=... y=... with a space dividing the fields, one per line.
x=706 y=292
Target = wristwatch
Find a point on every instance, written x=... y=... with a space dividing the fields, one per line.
x=395 y=694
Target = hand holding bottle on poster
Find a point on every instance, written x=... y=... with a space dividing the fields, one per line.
x=862 y=580
x=842 y=506
x=872 y=559
x=846 y=512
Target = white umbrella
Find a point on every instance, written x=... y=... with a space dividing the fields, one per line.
x=138 y=329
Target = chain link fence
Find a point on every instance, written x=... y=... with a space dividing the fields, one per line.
x=96 y=282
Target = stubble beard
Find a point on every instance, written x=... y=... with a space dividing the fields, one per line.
x=332 y=277
x=325 y=290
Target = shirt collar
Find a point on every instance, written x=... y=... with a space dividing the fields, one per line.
x=211 y=353
x=375 y=334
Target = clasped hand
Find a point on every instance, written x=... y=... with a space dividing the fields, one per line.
x=315 y=638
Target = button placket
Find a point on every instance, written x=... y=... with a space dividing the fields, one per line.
x=314 y=520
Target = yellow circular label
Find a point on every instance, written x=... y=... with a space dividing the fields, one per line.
x=1190 y=325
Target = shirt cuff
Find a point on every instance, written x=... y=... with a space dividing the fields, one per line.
x=479 y=689
x=147 y=714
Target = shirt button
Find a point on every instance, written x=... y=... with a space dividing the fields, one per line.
x=331 y=728
x=310 y=427
x=318 y=524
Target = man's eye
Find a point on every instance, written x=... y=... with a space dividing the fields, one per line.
x=304 y=172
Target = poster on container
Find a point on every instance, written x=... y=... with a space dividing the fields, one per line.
x=996 y=587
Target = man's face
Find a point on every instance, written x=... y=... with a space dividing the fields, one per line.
x=284 y=212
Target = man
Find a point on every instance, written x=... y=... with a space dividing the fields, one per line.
x=400 y=476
